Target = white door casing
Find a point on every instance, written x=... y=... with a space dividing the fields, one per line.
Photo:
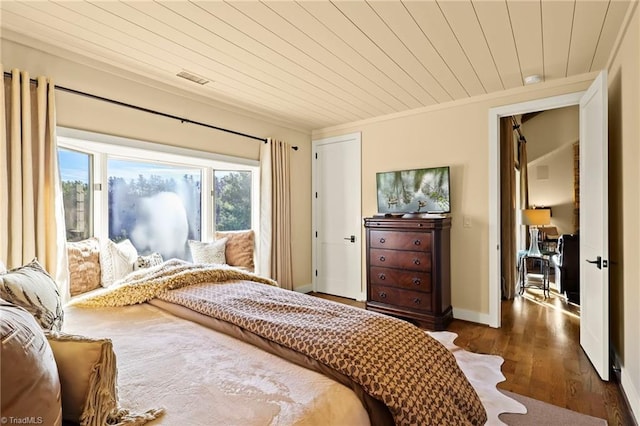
x=593 y=131
x=337 y=217
x=495 y=297
x=594 y=226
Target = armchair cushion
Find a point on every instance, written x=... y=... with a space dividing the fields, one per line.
x=567 y=266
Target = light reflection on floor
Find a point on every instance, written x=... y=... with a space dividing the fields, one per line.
x=556 y=301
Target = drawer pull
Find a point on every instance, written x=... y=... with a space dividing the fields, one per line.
x=383 y=295
x=416 y=301
x=382 y=277
x=417 y=281
x=382 y=241
x=417 y=242
x=416 y=261
x=382 y=259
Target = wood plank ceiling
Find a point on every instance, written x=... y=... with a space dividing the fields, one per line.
x=319 y=63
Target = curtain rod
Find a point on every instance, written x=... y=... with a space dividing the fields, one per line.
x=516 y=127
x=151 y=111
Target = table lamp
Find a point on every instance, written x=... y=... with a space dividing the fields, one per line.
x=535 y=218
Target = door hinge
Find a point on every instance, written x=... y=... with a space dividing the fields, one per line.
x=316 y=155
x=316 y=234
x=316 y=194
x=316 y=272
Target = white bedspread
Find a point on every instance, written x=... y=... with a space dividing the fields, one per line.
x=202 y=377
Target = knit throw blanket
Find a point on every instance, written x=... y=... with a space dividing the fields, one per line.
x=414 y=375
x=145 y=284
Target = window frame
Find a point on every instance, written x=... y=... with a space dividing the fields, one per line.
x=90 y=185
x=103 y=146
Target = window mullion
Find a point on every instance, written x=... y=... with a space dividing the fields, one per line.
x=101 y=196
x=207 y=217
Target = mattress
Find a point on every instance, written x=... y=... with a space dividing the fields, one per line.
x=203 y=377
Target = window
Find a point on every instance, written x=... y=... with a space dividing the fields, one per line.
x=157 y=196
x=232 y=200
x=76 y=177
x=156 y=206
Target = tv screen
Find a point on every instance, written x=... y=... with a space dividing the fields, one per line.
x=414 y=191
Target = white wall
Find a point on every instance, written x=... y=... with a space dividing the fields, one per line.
x=550 y=137
x=624 y=209
x=551 y=185
x=453 y=134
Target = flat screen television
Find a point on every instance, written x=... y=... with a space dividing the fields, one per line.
x=414 y=191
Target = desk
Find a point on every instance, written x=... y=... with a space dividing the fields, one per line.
x=544 y=269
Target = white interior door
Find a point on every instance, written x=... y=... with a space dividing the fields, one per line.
x=337 y=219
x=594 y=230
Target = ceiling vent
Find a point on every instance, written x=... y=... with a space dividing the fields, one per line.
x=192 y=77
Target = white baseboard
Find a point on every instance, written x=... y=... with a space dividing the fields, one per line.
x=631 y=393
x=307 y=288
x=472 y=316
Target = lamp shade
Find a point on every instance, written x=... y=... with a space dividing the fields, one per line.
x=536 y=217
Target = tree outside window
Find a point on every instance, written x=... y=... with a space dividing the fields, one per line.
x=76 y=177
x=156 y=206
x=232 y=200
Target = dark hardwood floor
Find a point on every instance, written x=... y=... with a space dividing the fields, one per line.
x=539 y=341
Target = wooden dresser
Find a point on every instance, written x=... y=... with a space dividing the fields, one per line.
x=408 y=269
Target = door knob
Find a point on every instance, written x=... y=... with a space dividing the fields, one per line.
x=351 y=238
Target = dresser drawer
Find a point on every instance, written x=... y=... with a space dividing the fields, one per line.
x=400 y=297
x=400 y=240
x=411 y=280
x=414 y=260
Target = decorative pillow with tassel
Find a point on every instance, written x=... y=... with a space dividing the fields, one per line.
x=88 y=377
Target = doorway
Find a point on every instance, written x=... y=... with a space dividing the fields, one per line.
x=594 y=239
x=494 y=186
x=550 y=191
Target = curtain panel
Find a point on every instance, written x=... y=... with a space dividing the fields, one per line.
x=509 y=251
x=524 y=173
x=275 y=212
x=31 y=207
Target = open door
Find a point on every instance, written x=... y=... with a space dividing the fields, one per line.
x=594 y=227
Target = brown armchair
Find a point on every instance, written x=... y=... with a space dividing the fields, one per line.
x=567 y=267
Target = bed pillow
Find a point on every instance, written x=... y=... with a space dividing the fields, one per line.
x=29 y=383
x=116 y=260
x=239 y=248
x=32 y=288
x=84 y=265
x=153 y=259
x=87 y=369
x=212 y=252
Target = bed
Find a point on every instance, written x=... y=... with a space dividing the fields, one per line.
x=216 y=345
